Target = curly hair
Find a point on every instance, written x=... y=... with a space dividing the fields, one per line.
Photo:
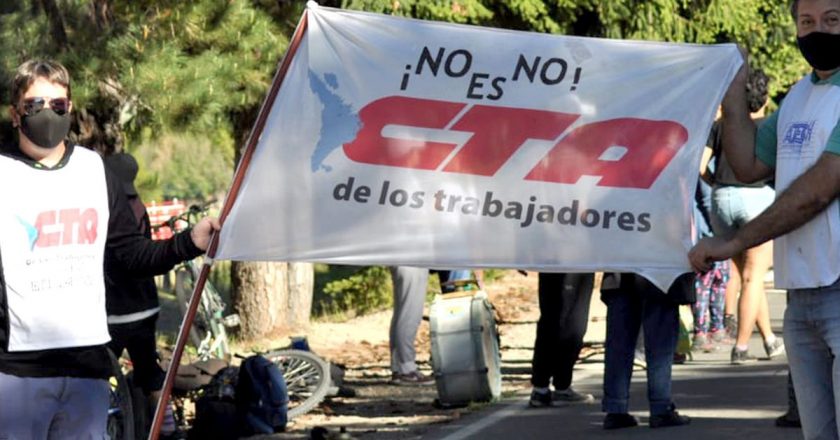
x=757 y=89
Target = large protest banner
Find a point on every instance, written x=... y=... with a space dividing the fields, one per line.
x=400 y=141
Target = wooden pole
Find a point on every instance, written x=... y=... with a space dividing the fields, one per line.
x=253 y=138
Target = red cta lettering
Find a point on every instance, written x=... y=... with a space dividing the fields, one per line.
x=67 y=226
x=650 y=147
x=498 y=132
x=370 y=147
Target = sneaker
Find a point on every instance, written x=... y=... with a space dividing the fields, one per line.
x=777 y=348
x=569 y=395
x=721 y=337
x=670 y=418
x=788 y=420
x=741 y=357
x=619 y=420
x=701 y=343
x=730 y=324
x=540 y=399
x=413 y=378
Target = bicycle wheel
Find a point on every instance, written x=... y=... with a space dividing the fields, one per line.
x=307 y=378
x=120 y=411
x=184 y=284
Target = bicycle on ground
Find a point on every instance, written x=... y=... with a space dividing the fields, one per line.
x=307 y=376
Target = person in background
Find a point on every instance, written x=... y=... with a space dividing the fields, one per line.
x=564 y=313
x=632 y=303
x=410 y=285
x=708 y=310
x=132 y=302
x=734 y=203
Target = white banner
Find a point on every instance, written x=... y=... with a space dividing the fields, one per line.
x=399 y=141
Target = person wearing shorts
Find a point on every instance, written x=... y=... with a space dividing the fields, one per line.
x=734 y=204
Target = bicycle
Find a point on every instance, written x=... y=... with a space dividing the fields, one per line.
x=209 y=330
x=121 y=409
x=307 y=376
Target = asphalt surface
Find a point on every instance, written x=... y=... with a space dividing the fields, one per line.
x=724 y=401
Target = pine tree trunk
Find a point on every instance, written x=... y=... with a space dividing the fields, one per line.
x=59 y=35
x=301 y=280
x=271 y=298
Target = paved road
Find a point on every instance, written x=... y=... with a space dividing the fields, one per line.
x=724 y=401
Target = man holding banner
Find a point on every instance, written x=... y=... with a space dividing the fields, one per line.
x=61 y=213
x=494 y=148
x=801 y=142
x=486 y=144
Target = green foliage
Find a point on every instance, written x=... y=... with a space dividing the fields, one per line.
x=195 y=62
x=150 y=68
x=491 y=275
x=145 y=69
x=184 y=166
x=220 y=277
x=763 y=26
x=178 y=82
x=367 y=290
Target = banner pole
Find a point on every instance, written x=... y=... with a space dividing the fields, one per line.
x=239 y=176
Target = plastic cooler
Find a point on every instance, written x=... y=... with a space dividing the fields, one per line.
x=465 y=348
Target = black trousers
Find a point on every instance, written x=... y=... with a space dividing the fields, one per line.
x=564 y=314
x=139 y=339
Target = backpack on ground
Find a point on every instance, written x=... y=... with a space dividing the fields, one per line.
x=261 y=397
x=215 y=411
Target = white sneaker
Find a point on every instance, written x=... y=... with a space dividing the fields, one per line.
x=777 y=348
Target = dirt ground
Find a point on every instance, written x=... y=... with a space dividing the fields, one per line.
x=384 y=411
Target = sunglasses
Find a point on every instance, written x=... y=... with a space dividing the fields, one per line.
x=34 y=105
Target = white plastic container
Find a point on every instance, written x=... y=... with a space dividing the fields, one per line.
x=465 y=348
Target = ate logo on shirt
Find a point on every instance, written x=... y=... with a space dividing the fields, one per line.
x=797 y=135
x=63 y=227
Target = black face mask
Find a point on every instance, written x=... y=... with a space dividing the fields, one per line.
x=45 y=128
x=822 y=50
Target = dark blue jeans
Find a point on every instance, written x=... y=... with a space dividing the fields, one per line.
x=634 y=304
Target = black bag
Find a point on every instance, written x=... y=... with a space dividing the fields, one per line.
x=261 y=397
x=682 y=290
x=215 y=411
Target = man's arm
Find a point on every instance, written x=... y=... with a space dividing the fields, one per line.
x=807 y=196
x=132 y=252
x=738 y=135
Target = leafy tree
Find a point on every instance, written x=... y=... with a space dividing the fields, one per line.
x=367 y=290
x=180 y=83
x=763 y=26
x=148 y=68
x=177 y=83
